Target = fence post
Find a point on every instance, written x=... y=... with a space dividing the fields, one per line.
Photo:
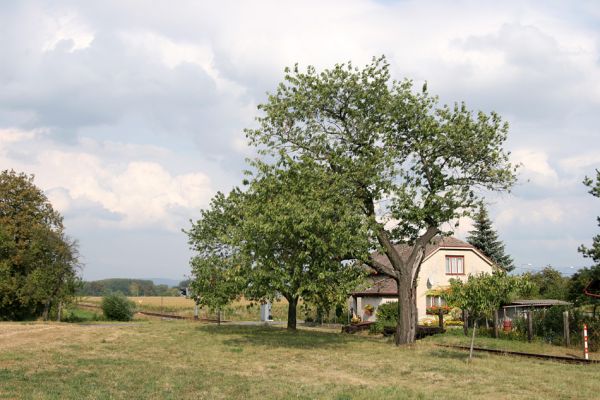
x=585 y=342
x=530 y=325
x=566 y=328
x=496 y=324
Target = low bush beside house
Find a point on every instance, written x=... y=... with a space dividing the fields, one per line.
x=117 y=307
x=387 y=317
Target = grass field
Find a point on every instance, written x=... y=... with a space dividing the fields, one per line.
x=181 y=360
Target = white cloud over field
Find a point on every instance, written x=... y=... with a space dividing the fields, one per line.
x=131 y=114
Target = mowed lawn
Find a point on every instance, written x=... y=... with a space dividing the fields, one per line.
x=190 y=360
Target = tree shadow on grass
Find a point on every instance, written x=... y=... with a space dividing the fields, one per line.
x=277 y=337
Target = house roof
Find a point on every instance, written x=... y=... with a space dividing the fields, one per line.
x=437 y=243
x=382 y=287
x=389 y=287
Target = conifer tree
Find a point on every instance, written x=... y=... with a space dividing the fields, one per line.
x=485 y=238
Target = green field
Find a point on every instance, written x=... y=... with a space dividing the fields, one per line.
x=190 y=360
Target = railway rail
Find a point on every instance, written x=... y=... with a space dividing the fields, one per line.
x=157 y=314
x=564 y=359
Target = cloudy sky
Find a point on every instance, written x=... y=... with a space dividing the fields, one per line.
x=131 y=113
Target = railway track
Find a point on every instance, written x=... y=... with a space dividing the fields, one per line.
x=157 y=314
x=564 y=359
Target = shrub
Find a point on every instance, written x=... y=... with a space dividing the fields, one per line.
x=387 y=316
x=117 y=307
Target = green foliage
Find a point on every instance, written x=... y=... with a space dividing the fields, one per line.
x=394 y=150
x=38 y=262
x=217 y=276
x=482 y=294
x=548 y=326
x=579 y=281
x=387 y=317
x=117 y=307
x=287 y=235
x=548 y=284
x=485 y=238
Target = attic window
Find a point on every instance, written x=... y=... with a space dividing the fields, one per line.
x=455 y=265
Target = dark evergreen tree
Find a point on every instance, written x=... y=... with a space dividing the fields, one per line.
x=594 y=251
x=485 y=238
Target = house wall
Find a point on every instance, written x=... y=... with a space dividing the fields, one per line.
x=435 y=268
x=361 y=302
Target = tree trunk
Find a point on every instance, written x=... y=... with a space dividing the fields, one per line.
x=406 y=328
x=46 y=312
x=292 y=306
x=466 y=322
x=59 y=311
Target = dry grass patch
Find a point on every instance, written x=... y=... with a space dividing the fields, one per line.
x=179 y=360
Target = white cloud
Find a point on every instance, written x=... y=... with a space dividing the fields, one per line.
x=66 y=28
x=12 y=135
x=535 y=167
x=143 y=193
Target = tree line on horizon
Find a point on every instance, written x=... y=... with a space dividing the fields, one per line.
x=128 y=287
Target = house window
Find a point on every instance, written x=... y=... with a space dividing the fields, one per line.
x=455 y=265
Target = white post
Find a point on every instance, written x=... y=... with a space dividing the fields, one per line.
x=585 y=342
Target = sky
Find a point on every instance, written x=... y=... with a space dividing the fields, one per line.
x=130 y=114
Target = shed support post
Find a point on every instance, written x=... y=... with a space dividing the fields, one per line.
x=566 y=328
x=530 y=325
x=496 y=324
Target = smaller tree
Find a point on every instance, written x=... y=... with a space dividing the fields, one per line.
x=485 y=238
x=481 y=295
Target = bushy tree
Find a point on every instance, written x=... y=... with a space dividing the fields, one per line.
x=278 y=236
x=38 y=262
x=408 y=164
x=485 y=238
x=548 y=284
x=117 y=307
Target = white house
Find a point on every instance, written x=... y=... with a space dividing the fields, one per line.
x=445 y=258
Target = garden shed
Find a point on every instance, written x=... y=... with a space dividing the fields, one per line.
x=518 y=308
